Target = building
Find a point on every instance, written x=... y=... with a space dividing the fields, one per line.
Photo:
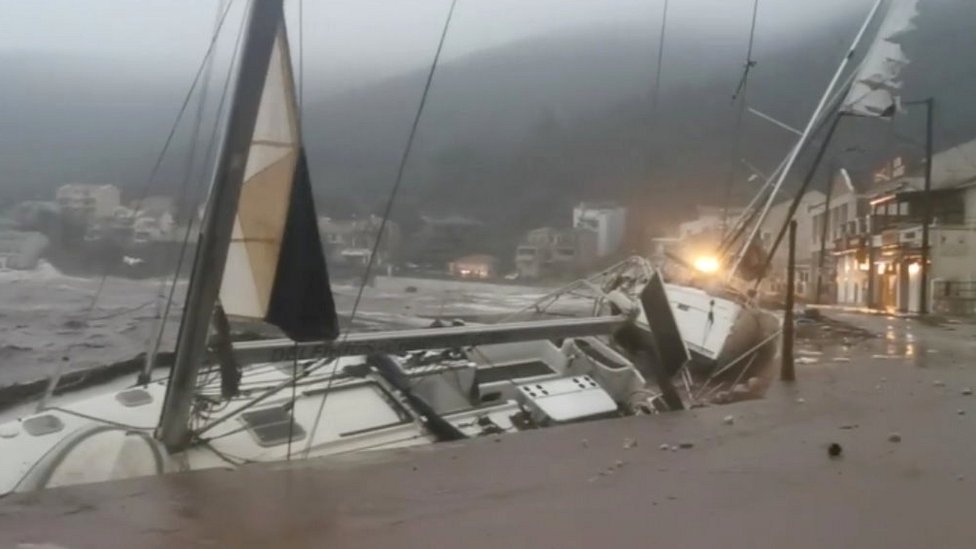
x=87 y=203
x=838 y=260
x=155 y=206
x=882 y=243
x=548 y=252
x=21 y=250
x=711 y=222
x=36 y=215
x=351 y=242
x=774 y=283
x=476 y=266
x=606 y=220
x=440 y=240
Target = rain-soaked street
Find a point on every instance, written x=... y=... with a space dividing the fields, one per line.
x=922 y=343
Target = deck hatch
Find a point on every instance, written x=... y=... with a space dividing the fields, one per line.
x=271 y=426
x=43 y=425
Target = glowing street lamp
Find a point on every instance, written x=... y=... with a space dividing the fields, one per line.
x=707 y=264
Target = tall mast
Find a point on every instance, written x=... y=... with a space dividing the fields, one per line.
x=795 y=151
x=264 y=19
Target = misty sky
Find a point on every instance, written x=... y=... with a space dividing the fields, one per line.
x=349 y=43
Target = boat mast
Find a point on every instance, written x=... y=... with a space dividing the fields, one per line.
x=264 y=19
x=811 y=124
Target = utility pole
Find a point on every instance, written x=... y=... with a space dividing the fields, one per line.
x=787 y=372
x=923 y=299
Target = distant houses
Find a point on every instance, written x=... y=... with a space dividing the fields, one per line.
x=21 y=250
x=350 y=243
x=547 y=252
x=442 y=240
x=597 y=232
x=476 y=266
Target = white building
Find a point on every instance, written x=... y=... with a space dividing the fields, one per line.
x=606 y=220
x=775 y=280
x=711 y=222
x=88 y=202
x=21 y=249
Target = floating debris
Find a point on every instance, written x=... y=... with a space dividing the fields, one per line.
x=728 y=420
x=674 y=448
x=967 y=391
x=806 y=360
x=801 y=400
x=884 y=357
x=884 y=379
x=849 y=426
x=807 y=352
x=938 y=383
x=960 y=412
x=841 y=359
x=664 y=447
x=585 y=443
x=894 y=437
x=686 y=444
x=835 y=450
x=619 y=463
x=630 y=443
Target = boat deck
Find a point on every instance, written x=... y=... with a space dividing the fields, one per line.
x=765 y=481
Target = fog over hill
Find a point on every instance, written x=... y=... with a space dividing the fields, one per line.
x=512 y=135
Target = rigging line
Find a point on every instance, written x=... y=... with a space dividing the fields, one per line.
x=301 y=55
x=169 y=138
x=192 y=146
x=750 y=62
x=408 y=147
x=836 y=102
x=740 y=95
x=184 y=246
x=660 y=58
x=294 y=385
x=301 y=96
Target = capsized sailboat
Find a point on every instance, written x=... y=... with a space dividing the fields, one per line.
x=259 y=257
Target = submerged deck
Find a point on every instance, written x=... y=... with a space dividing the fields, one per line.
x=765 y=481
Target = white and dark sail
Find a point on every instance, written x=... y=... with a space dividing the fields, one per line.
x=275 y=268
x=876 y=87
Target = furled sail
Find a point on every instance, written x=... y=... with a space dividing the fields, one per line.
x=877 y=83
x=275 y=268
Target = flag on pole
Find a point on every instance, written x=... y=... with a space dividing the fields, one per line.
x=875 y=91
